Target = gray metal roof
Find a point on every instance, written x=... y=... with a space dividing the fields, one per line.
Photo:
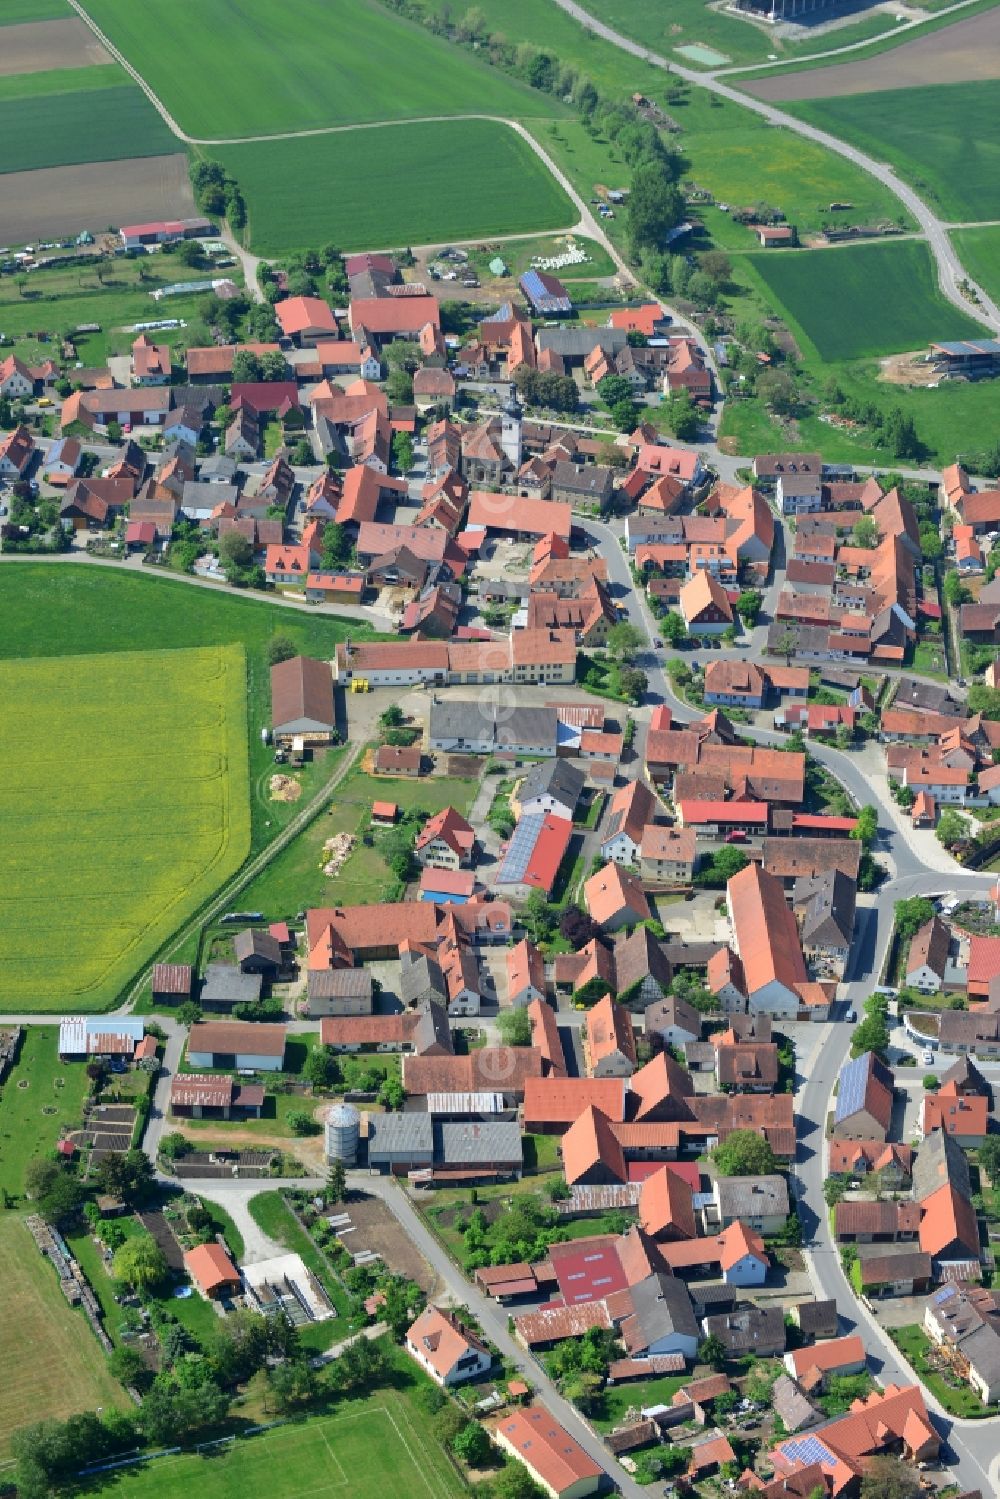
x=521 y=726
x=224 y=984
x=420 y=975
x=752 y=1196
x=400 y=1135
x=662 y=1305
x=577 y=343
x=339 y=983
x=940 y=1161
x=466 y=1142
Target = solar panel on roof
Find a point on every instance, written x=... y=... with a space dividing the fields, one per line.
x=521 y=847
x=808 y=1450
x=851 y=1093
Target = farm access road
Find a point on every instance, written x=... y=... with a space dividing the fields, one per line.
x=951 y=272
x=586 y=224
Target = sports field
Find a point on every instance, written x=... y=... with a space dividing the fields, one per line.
x=979 y=250
x=410 y=184
x=369 y=1449
x=54 y=1365
x=125 y=804
x=60 y=129
x=945 y=140
x=231 y=68
x=862 y=300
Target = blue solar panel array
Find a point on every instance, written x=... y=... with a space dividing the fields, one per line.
x=851 y=1092
x=520 y=848
x=808 y=1450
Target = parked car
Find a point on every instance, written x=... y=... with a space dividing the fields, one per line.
x=927 y=1057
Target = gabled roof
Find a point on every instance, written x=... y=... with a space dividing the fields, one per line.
x=666 y=1205
x=590 y=1141
x=663 y=1078
x=865 y=1084
x=612 y=891
x=764 y=931
x=442 y=1340
x=609 y=1032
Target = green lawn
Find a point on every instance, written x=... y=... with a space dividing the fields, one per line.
x=70 y=610
x=125 y=805
x=372 y=1446
x=615 y=1400
x=862 y=300
x=416 y=184
x=32 y=1115
x=945 y=139
x=295 y=878
x=915 y=1345
x=979 y=251
x=59 y=129
x=59 y=1366
x=229 y=68
x=60 y=81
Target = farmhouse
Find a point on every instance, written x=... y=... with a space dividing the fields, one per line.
x=302 y=710
x=236 y=1044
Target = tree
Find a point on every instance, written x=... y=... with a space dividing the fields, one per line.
x=392 y=718
x=321 y=1067
x=292 y=1383
x=672 y=627
x=989 y=1156
x=392 y=1094
x=931 y=1082
x=624 y=641
x=515 y=1482
x=864 y=532
x=399 y=387
x=402 y=451
x=246 y=367
x=744 y=1153
x=951 y=828
x=240 y=1346
x=900 y=435
x=931 y=544
x=280 y=648
x=301 y=1123
x=625 y=414
x=336 y=546
x=173 y=1409
x=472 y=1445
x=514 y=1027
x=654 y=206
x=954 y=590
x=716 y=265
x=614 y=388
x=889 y=1478
x=682 y=416
x=40 y=1175
x=870 y=1034
x=911 y=915
x=126 y=1174
x=128 y=1367
x=712 y=1351
x=175 y=1145
x=778 y=390
x=633 y=684
x=61 y=1203
x=189 y=1013
x=235 y=552
x=578 y=927
x=336 y=1182
x=865 y=829
x=748 y=606
x=140 y=1263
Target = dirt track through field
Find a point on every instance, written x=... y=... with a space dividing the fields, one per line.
x=967 y=52
x=57 y=201
x=41 y=46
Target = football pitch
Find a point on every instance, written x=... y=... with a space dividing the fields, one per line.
x=374 y=1448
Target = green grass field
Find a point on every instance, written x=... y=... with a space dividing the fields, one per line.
x=15 y=12
x=945 y=140
x=376 y=1445
x=415 y=184
x=862 y=300
x=979 y=250
x=59 y=130
x=31 y=1116
x=125 y=803
x=229 y=68
x=55 y=1363
x=74 y=609
x=60 y=81
x=295 y=878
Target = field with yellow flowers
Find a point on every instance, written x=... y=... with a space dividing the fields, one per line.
x=124 y=799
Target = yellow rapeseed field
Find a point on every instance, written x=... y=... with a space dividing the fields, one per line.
x=124 y=803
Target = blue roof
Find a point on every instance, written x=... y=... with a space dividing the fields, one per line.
x=115 y=1025
x=440 y=897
